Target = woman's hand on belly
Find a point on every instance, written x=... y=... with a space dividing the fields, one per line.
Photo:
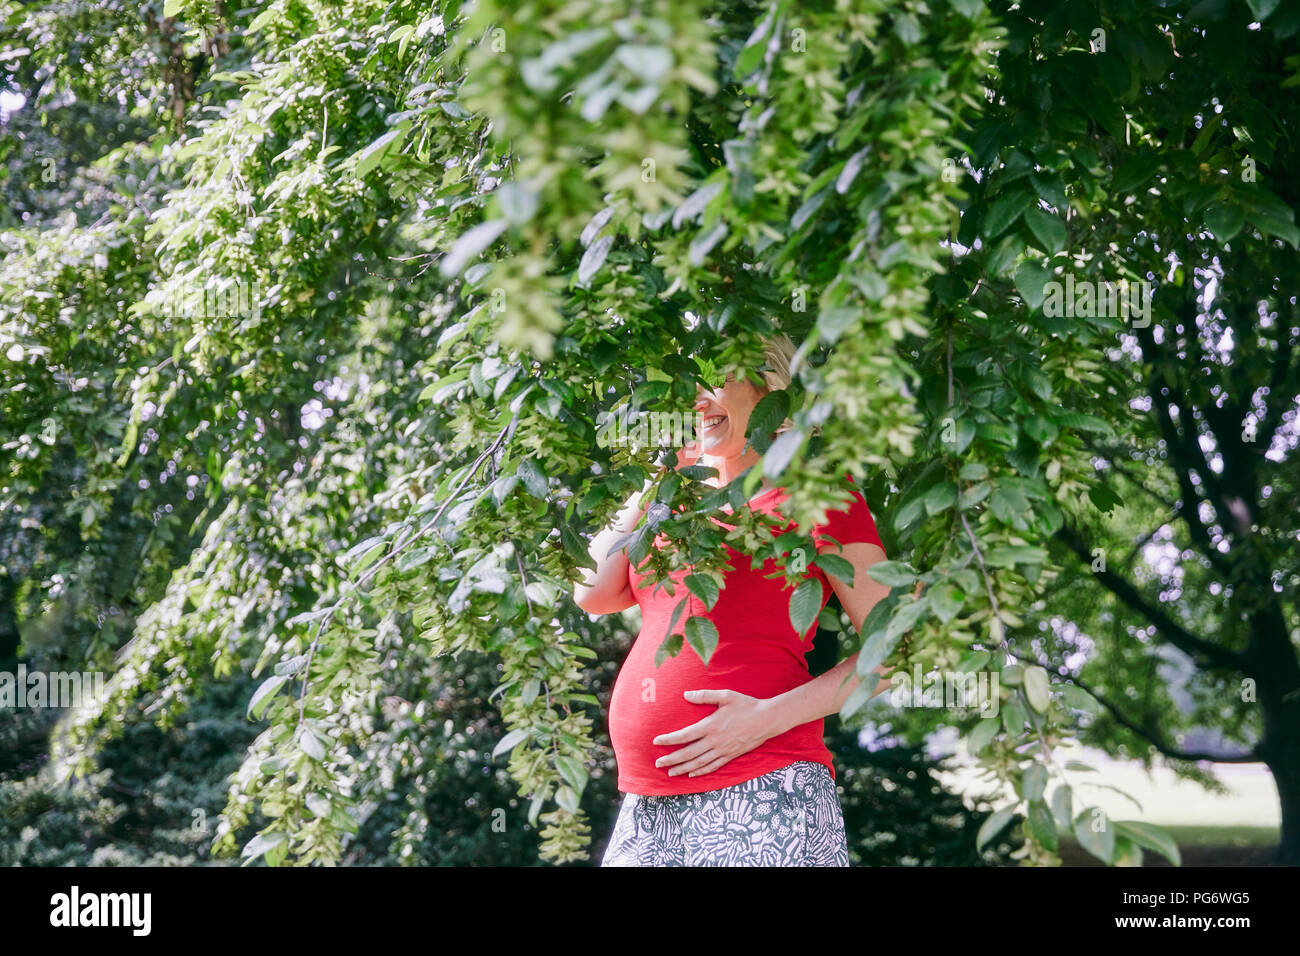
x=740 y=724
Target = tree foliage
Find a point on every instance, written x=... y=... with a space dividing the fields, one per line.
x=317 y=394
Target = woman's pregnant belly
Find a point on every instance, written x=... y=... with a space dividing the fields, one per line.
x=647 y=701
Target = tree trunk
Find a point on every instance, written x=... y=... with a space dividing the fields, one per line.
x=1280 y=751
x=1272 y=657
x=1286 y=774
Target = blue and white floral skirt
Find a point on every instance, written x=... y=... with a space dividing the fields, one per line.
x=789 y=817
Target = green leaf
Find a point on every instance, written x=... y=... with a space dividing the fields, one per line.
x=1038 y=690
x=567 y=798
x=1008 y=556
x=908 y=514
x=370 y=157
x=895 y=574
x=262 y=843
x=1031 y=281
x=883 y=627
x=702 y=636
x=703 y=243
x=535 y=807
x=782 y=452
x=772 y=409
x=532 y=687
x=1079 y=699
x=859 y=696
x=833 y=323
x=704 y=588
x=1135 y=172
x=751 y=55
x=572 y=771
x=359 y=550
x=994 y=825
x=957 y=433
x=1283 y=227
x=909 y=613
x=533 y=477
x=973 y=495
x=852 y=166
x=1014 y=718
x=1047 y=229
x=1225 y=220
x=311 y=745
x=805 y=602
x=649 y=63
x=502 y=487
x=1042 y=826
x=1151 y=837
x=829 y=620
x=940 y=498
x=1061 y=805
x=1262 y=9
x=973 y=661
x=1104 y=497
x=262 y=696
x=876 y=620
x=670 y=646
x=981 y=735
x=1095 y=835
x=1127 y=853
x=946 y=599
x=510 y=741
x=1078 y=421
x=1051 y=188
x=593 y=259
x=518 y=203
x=837 y=566
x=470 y=245
x=1034 y=782
x=1003 y=212
x=671 y=642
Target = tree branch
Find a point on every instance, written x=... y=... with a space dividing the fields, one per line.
x=1150 y=736
x=1207 y=655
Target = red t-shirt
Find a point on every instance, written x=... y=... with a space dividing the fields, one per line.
x=759 y=653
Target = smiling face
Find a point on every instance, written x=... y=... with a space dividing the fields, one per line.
x=725 y=414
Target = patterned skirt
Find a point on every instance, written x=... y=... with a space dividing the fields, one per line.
x=789 y=817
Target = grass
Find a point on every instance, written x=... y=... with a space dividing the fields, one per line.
x=1239 y=845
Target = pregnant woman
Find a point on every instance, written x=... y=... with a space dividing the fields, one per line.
x=724 y=764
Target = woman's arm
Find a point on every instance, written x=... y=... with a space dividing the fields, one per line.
x=826 y=694
x=606 y=590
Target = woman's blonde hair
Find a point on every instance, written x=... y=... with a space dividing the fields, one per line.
x=778 y=350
